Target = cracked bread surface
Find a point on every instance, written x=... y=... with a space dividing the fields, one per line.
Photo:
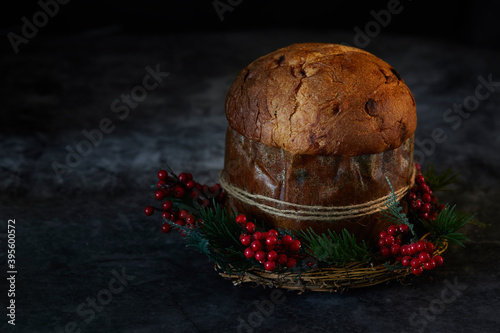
x=322 y=99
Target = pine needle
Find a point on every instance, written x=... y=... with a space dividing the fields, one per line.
x=334 y=248
x=439 y=182
x=218 y=238
x=394 y=212
x=447 y=224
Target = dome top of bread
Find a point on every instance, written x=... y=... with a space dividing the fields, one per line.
x=322 y=99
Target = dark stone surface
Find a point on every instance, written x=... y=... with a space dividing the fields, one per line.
x=72 y=234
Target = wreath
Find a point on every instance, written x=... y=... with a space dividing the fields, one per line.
x=249 y=251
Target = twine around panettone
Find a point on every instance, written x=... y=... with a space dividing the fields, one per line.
x=307 y=212
x=330 y=279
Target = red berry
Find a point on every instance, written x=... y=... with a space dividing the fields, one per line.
x=250 y=227
x=246 y=240
x=440 y=207
x=256 y=245
x=430 y=265
x=264 y=235
x=381 y=242
x=426 y=207
x=179 y=191
x=194 y=194
x=382 y=235
x=412 y=196
x=419 y=179
x=412 y=249
x=183 y=214
x=183 y=178
x=271 y=241
x=242 y=235
x=159 y=195
x=167 y=205
x=241 y=219
x=291 y=263
x=404 y=250
x=426 y=197
x=162 y=174
x=249 y=253
x=257 y=235
x=415 y=263
x=149 y=211
x=385 y=251
x=415 y=205
x=272 y=255
x=216 y=189
x=418 y=167
x=161 y=184
x=425 y=188
x=190 y=185
x=260 y=255
x=424 y=216
x=421 y=246
x=438 y=260
x=282 y=259
x=417 y=270
x=393 y=230
x=180 y=222
x=389 y=240
x=287 y=240
x=406 y=261
x=273 y=233
x=432 y=216
x=403 y=228
x=395 y=249
x=270 y=265
x=424 y=257
x=295 y=247
x=190 y=219
x=166 y=215
x=165 y=227
x=430 y=247
x=189 y=176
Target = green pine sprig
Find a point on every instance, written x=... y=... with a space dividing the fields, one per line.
x=394 y=212
x=218 y=238
x=439 y=182
x=447 y=224
x=333 y=248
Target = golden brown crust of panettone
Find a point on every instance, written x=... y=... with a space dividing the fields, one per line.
x=322 y=99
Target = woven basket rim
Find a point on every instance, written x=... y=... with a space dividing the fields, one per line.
x=328 y=279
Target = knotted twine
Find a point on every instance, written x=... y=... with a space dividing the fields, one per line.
x=306 y=212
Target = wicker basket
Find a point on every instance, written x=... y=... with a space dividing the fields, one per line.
x=331 y=279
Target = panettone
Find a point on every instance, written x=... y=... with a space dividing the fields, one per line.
x=315 y=130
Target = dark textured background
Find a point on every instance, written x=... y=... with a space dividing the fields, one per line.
x=72 y=234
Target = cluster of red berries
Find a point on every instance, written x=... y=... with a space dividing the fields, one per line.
x=417 y=255
x=389 y=242
x=182 y=187
x=268 y=248
x=421 y=199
